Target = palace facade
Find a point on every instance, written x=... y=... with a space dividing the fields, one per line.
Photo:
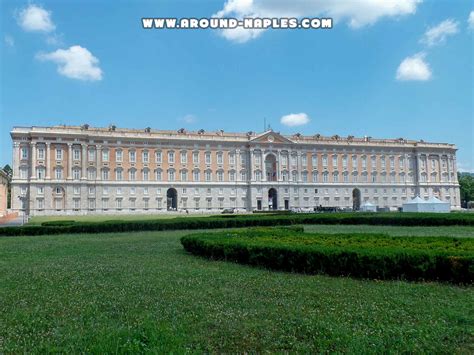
x=86 y=170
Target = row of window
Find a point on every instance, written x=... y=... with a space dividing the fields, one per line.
x=208 y=176
x=132 y=157
x=59 y=191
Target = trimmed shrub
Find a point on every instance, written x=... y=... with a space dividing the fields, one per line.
x=369 y=256
x=249 y=220
x=58 y=223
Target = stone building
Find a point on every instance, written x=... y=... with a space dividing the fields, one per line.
x=4 y=180
x=85 y=170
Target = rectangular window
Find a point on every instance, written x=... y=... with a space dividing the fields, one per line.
x=334 y=161
x=184 y=175
x=382 y=162
x=76 y=174
x=146 y=175
x=91 y=174
x=91 y=155
x=41 y=153
x=195 y=157
x=196 y=175
x=59 y=174
x=24 y=153
x=314 y=160
x=119 y=156
x=76 y=154
x=364 y=162
x=171 y=175
x=40 y=203
x=105 y=155
x=171 y=157
x=77 y=203
x=344 y=161
x=76 y=190
x=132 y=175
x=119 y=203
x=40 y=173
x=132 y=156
x=304 y=160
x=208 y=176
x=40 y=190
x=220 y=159
x=231 y=158
x=105 y=174
x=184 y=158
x=158 y=175
x=145 y=156
x=145 y=190
x=158 y=157
x=207 y=158
x=59 y=154
x=105 y=190
x=325 y=161
x=119 y=175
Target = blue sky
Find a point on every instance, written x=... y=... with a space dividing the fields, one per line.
x=386 y=70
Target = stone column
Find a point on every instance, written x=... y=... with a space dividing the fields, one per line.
x=84 y=161
x=33 y=161
x=298 y=165
x=69 y=161
x=48 y=160
x=98 y=157
x=278 y=165
x=16 y=160
x=238 y=167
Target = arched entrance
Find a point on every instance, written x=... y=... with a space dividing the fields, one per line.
x=356 y=199
x=172 y=199
x=271 y=167
x=272 y=199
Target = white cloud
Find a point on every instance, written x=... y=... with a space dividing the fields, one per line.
x=76 y=62
x=9 y=41
x=34 y=18
x=295 y=119
x=414 y=68
x=188 y=119
x=357 y=13
x=438 y=34
x=470 y=20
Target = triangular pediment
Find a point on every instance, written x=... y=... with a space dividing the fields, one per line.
x=271 y=137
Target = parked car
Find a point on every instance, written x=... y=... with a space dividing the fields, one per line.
x=227 y=210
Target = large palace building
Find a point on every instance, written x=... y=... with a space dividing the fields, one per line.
x=85 y=170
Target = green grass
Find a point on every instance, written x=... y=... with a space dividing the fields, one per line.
x=442 y=231
x=37 y=220
x=141 y=292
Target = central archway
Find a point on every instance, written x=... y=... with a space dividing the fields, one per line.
x=272 y=199
x=356 y=199
x=172 y=199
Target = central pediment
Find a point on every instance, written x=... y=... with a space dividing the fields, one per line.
x=271 y=137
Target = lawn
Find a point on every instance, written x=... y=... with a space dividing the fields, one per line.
x=37 y=220
x=142 y=292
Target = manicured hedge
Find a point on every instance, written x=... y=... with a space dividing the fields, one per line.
x=367 y=256
x=396 y=219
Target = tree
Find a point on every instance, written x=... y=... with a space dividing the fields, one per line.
x=466 y=186
x=7 y=168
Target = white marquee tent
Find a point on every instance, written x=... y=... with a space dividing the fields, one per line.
x=432 y=205
x=368 y=207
